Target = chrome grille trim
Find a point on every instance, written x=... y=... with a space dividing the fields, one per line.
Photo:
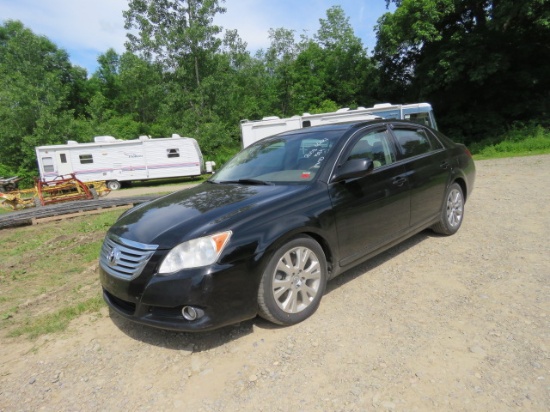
x=123 y=258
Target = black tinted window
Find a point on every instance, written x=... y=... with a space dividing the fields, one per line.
x=375 y=145
x=413 y=142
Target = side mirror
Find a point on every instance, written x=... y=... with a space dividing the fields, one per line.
x=352 y=169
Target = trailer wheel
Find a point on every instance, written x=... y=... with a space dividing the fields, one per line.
x=114 y=185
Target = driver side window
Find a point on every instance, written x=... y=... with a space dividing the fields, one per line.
x=375 y=145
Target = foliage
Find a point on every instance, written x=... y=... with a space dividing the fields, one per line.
x=479 y=62
x=37 y=83
x=176 y=33
x=521 y=140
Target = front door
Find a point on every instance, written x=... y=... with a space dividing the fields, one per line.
x=372 y=210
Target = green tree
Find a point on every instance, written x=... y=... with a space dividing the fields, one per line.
x=480 y=62
x=347 y=68
x=181 y=38
x=38 y=90
x=332 y=66
x=107 y=76
x=177 y=33
x=279 y=61
x=310 y=78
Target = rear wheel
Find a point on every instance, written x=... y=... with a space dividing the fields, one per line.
x=293 y=282
x=113 y=185
x=452 y=211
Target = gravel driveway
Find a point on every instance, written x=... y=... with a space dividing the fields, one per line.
x=457 y=323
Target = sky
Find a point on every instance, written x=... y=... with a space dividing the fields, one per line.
x=88 y=28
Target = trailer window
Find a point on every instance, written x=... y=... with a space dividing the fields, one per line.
x=47 y=163
x=87 y=158
x=420 y=118
x=63 y=158
x=173 y=152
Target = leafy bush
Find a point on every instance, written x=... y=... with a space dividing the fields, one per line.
x=520 y=140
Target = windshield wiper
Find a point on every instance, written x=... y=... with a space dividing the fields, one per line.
x=247 y=182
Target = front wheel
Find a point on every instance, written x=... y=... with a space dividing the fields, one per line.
x=293 y=282
x=452 y=211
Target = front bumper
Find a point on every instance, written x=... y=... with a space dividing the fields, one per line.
x=227 y=294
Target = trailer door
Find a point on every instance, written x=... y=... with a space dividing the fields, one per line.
x=63 y=160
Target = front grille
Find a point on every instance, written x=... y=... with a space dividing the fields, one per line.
x=123 y=258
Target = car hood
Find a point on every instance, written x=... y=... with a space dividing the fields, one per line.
x=198 y=211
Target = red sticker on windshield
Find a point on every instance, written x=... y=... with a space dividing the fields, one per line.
x=305 y=175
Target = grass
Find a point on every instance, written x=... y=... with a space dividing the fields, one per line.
x=528 y=141
x=48 y=274
x=57 y=321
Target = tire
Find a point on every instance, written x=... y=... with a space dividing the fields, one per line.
x=452 y=212
x=93 y=192
x=113 y=185
x=293 y=282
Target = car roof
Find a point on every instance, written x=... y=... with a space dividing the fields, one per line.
x=345 y=126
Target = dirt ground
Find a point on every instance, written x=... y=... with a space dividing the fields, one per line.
x=458 y=323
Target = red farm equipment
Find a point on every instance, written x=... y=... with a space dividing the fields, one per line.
x=61 y=189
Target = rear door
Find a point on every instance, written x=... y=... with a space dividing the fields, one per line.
x=428 y=170
x=372 y=210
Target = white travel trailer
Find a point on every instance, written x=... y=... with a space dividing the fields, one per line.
x=252 y=131
x=117 y=161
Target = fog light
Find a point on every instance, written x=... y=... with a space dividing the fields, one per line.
x=191 y=313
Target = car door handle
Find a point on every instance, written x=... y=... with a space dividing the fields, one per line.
x=444 y=165
x=399 y=181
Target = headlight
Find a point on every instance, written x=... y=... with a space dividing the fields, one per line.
x=195 y=253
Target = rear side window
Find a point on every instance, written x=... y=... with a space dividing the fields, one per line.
x=412 y=142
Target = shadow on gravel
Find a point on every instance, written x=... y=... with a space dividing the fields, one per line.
x=362 y=268
x=182 y=341
x=203 y=341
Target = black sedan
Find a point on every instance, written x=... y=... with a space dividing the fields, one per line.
x=284 y=216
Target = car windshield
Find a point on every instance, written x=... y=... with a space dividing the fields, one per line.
x=293 y=158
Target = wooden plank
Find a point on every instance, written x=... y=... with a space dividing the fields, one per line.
x=38 y=220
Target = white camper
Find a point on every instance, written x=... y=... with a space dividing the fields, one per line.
x=252 y=131
x=117 y=161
